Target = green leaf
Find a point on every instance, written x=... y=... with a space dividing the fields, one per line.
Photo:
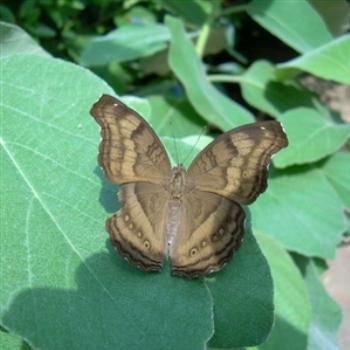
x=292 y=308
x=211 y=104
x=243 y=299
x=302 y=211
x=63 y=289
x=14 y=40
x=337 y=170
x=126 y=43
x=325 y=312
x=195 y=11
x=330 y=61
x=291 y=21
x=311 y=137
x=261 y=89
x=174 y=117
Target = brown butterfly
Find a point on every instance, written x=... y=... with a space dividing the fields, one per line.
x=193 y=216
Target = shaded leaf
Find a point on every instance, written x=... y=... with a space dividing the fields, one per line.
x=337 y=170
x=305 y=213
x=292 y=308
x=311 y=137
x=275 y=16
x=63 y=289
x=261 y=89
x=211 y=104
x=243 y=299
x=330 y=61
x=124 y=44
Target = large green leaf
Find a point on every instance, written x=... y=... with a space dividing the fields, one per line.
x=209 y=102
x=311 y=137
x=330 y=61
x=302 y=210
x=14 y=40
x=243 y=310
x=124 y=44
x=325 y=313
x=292 y=308
x=337 y=170
x=63 y=289
x=291 y=22
x=261 y=89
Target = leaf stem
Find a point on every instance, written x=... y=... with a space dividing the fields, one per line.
x=225 y=78
x=233 y=9
x=205 y=31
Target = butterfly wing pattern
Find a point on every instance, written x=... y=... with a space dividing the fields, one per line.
x=132 y=155
x=194 y=217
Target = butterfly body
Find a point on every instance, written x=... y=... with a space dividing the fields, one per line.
x=177 y=186
x=193 y=216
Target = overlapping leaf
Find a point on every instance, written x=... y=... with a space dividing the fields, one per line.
x=275 y=16
x=311 y=137
x=261 y=89
x=14 y=40
x=337 y=170
x=292 y=313
x=126 y=43
x=211 y=104
x=304 y=212
x=330 y=61
x=326 y=314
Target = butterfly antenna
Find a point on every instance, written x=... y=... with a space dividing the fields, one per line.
x=175 y=143
x=204 y=130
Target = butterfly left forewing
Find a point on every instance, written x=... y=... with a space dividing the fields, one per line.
x=129 y=150
x=235 y=165
x=211 y=228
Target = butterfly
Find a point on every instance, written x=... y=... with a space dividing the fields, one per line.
x=195 y=216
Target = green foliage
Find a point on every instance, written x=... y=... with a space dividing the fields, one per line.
x=192 y=62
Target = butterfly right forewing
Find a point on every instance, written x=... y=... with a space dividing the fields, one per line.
x=235 y=164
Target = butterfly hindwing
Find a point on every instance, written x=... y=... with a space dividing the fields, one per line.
x=211 y=229
x=137 y=228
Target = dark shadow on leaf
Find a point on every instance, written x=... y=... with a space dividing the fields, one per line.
x=108 y=194
x=113 y=305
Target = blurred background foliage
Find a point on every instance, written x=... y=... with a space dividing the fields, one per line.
x=216 y=65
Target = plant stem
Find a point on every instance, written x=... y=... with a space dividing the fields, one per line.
x=204 y=33
x=233 y=9
x=224 y=78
